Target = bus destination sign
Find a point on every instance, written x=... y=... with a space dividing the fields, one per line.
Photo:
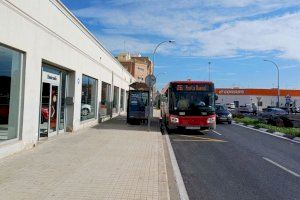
x=183 y=87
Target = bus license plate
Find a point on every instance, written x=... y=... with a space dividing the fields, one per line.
x=193 y=127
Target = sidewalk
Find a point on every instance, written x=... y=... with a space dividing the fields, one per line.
x=110 y=161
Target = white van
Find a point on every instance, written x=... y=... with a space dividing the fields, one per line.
x=230 y=105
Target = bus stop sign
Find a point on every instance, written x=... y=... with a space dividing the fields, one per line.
x=150 y=80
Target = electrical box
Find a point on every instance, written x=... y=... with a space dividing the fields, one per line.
x=69 y=101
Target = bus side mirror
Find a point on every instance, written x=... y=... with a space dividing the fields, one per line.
x=216 y=97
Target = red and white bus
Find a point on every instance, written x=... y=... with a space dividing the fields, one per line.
x=189 y=105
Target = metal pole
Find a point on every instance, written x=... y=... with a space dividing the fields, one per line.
x=209 y=70
x=278 y=86
x=150 y=89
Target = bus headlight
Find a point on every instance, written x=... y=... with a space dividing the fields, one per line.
x=174 y=120
x=211 y=120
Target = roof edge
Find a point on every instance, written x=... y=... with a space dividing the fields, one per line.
x=100 y=45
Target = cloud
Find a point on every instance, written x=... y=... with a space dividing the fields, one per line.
x=289 y=67
x=205 y=28
x=230 y=74
x=266 y=35
x=133 y=45
x=161 y=66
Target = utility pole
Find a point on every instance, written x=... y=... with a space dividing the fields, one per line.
x=209 y=70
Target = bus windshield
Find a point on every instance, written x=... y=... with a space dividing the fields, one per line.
x=192 y=100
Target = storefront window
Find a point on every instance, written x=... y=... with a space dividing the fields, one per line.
x=116 y=100
x=88 y=98
x=105 y=106
x=10 y=92
x=122 y=99
x=62 y=101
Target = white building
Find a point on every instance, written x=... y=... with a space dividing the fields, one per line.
x=55 y=76
x=267 y=97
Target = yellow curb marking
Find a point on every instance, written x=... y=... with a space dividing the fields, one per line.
x=197 y=139
x=209 y=140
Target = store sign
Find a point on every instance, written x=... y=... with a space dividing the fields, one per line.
x=51 y=78
x=232 y=92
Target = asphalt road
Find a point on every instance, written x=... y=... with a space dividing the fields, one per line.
x=237 y=163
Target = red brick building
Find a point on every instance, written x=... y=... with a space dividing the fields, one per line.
x=138 y=66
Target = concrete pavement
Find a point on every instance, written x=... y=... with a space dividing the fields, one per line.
x=110 y=161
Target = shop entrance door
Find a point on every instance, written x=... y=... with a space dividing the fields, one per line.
x=49 y=104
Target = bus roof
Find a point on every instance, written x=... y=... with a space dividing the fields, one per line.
x=185 y=82
x=191 y=82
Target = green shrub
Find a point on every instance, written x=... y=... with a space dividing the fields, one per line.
x=247 y=121
x=294 y=132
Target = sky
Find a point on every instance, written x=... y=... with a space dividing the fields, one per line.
x=235 y=36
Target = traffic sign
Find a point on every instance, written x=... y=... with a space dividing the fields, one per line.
x=150 y=80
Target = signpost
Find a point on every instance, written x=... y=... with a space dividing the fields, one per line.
x=150 y=82
x=259 y=102
x=288 y=101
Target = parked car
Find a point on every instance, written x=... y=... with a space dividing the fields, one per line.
x=4 y=114
x=4 y=111
x=223 y=115
x=247 y=108
x=44 y=114
x=86 y=109
x=276 y=117
x=273 y=112
x=295 y=109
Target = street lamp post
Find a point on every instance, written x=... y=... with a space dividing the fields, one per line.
x=154 y=52
x=150 y=90
x=278 y=88
x=161 y=73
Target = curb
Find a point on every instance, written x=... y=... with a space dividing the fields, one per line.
x=263 y=129
x=179 y=181
x=279 y=133
x=275 y=134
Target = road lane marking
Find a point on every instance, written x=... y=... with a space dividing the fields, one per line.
x=266 y=133
x=216 y=132
x=281 y=167
x=179 y=180
x=199 y=140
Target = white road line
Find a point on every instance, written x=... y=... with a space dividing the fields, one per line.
x=179 y=180
x=281 y=167
x=217 y=132
x=267 y=133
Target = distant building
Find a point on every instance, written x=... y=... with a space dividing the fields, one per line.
x=138 y=66
x=267 y=97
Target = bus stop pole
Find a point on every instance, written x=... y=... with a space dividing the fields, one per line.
x=149 y=110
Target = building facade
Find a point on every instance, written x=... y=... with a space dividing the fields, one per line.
x=139 y=67
x=55 y=75
x=267 y=97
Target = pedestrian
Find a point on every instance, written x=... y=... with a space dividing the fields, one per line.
x=254 y=107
